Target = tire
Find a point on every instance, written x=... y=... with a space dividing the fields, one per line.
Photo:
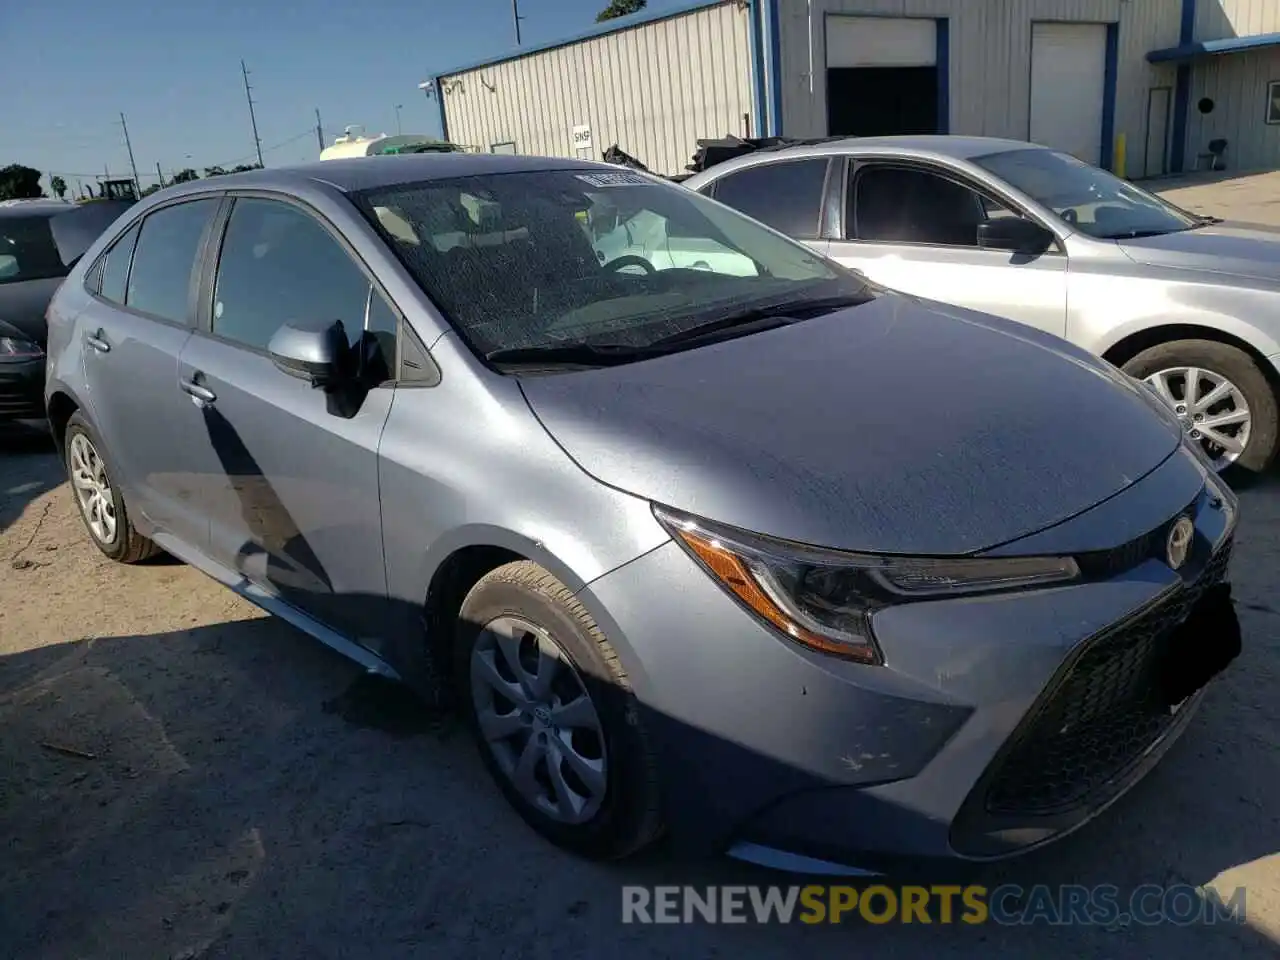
x=628 y=817
x=1236 y=366
x=126 y=545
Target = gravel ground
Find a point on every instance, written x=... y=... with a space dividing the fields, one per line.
x=183 y=777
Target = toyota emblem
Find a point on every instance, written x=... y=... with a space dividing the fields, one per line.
x=1178 y=546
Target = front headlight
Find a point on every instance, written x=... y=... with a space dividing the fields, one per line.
x=16 y=348
x=824 y=599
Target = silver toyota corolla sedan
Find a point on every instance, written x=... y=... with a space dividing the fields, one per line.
x=685 y=550
x=1185 y=302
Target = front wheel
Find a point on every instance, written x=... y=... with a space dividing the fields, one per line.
x=554 y=716
x=1220 y=395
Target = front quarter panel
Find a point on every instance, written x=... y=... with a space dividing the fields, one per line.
x=1110 y=298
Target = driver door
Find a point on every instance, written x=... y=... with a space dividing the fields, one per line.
x=914 y=229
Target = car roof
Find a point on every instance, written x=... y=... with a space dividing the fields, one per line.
x=33 y=208
x=369 y=173
x=924 y=146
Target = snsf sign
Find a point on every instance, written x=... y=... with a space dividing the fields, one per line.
x=581 y=137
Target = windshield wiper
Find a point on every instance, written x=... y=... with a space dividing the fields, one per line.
x=569 y=355
x=764 y=317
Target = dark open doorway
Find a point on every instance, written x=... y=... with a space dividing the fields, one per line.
x=882 y=101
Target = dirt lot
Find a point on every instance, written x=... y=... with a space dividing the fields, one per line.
x=182 y=777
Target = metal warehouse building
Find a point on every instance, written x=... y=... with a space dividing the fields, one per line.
x=1141 y=86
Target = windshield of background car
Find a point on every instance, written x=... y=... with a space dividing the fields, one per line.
x=567 y=257
x=1089 y=199
x=28 y=251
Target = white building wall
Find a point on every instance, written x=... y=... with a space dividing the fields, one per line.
x=1219 y=19
x=652 y=89
x=1237 y=85
x=990 y=59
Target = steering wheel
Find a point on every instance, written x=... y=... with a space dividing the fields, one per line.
x=630 y=260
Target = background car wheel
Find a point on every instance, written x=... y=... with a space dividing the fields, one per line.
x=101 y=505
x=1220 y=394
x=554 y=715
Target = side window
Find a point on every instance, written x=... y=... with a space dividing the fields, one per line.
x=163 y=258
x=787 y=196
x=905 y=205
x=280 y=265
x=114 y=267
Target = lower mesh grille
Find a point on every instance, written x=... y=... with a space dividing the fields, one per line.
x=1100 y=718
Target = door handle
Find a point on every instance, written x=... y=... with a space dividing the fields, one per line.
x=98 y=341
x=200 y=394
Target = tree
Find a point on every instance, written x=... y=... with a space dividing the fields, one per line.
x=214 y=172
x=150 y=190
x=184 y=176
x=18 y=182
x=620 y=8
x=58 y=186
x=245 y=167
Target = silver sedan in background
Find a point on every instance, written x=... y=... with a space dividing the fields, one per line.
x=1187 y=303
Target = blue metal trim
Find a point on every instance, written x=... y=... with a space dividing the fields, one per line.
x=943 y=60
x=1191 y=50
x=604 y=29
x=1109 y=75
x=1182 y=91
x=756 y=39
x=775 y=70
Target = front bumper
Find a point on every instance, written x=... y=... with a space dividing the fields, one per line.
x=935 y=754
x=22 y=390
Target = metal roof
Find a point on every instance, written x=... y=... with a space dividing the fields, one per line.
x=1213 y=48
x=616 y=25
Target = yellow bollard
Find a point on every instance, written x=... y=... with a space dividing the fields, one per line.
x=1118 y=164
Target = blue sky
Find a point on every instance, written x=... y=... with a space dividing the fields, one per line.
x=69 y=68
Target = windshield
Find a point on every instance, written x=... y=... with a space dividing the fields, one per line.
x=1089 y=199
x=27 y=250
x=552 y=258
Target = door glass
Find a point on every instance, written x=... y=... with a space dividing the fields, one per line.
x=902 y=205
x=160 y=278
x=280 y=265
x=115 y=267
x=787 y=196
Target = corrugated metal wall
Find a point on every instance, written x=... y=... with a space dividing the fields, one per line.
x=653 y=89
x=1237 y=84
x=990 y=59
x=1216 y=19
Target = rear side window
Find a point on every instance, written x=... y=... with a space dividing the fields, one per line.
x=166 y=250
x=27 y=250
x=787 y=196
x=115 y=267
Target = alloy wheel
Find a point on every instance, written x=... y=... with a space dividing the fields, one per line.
x=1211 y=408
x=538 y=720
x=93 y=489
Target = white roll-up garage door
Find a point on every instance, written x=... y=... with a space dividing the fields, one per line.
x=1068 y=68
x=881 y=42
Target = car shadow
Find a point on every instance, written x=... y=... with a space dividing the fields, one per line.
x=31 y=468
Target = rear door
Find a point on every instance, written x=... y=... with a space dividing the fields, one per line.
x=294 y=480
x=914 y=227
x=141 y=313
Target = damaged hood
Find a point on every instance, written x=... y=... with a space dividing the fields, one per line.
x=899 y=426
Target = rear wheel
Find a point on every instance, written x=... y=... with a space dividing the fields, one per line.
x=1220 y=394
x=554 y=716
x=99 y=499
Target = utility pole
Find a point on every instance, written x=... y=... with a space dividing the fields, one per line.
x=257 y=143
x=319 y=131
x=160 y=174
x=137 y=186
x=399 y=128
x=515 y=15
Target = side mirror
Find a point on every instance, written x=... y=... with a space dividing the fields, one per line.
x=1015 y=234
x=319 y=355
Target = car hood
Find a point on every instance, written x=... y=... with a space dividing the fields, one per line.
x=1236 y=249
x=899 y=426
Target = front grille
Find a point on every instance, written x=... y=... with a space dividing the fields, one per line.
x=22 y=401
x=1100 y=716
